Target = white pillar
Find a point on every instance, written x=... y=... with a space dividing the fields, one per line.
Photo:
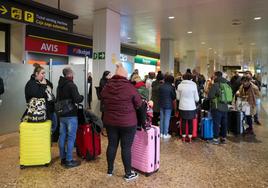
x=167 y=56
x=106 y=38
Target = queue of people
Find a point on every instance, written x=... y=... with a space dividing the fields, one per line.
x=120 y=98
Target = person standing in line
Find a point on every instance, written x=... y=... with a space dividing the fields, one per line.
x=39 y=87
x=89 y=81
x=106 y=76
x=67 y=90
x=219 y=111
x=149 y=82
x=121 y=100
x=187 y=95
x=167 y=95
x=249 y=92
x=2 y=89
x=155 y=97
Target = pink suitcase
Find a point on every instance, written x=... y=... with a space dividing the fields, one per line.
x=146 y=150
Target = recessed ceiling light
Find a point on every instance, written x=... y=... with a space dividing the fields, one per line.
x=128 y=38
x=210 y=48
x=203 y=43
x=257 y=18
x=189 y=32
x=171 y=17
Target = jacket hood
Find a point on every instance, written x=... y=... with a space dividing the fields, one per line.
x=63 y=81
x=221 y=80
x=187 y=82
x=116 y=83
x=139 y=84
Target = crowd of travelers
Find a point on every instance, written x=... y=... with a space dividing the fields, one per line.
x=121 y=96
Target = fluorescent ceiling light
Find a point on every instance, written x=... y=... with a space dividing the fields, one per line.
x=203 y=43
x=171 y=17
x=128 y=38
x=189 y=32
x=257 y=18
x=210 y=48
x=252 y=43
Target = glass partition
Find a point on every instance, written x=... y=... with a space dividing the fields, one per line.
x=15 y=77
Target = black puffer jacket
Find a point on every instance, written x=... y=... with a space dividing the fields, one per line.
x=35 y=89
x=68 y=90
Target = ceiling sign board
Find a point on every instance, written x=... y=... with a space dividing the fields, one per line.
x=21 y=13
x=145 y=60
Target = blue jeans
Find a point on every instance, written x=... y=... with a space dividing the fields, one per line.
x=54 y=122
x=164 y=120
x=219 y=123
x=68 y=128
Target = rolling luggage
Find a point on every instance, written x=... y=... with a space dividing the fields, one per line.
x=88 y=138
x=35 y=143
x=195 y=128
x=235 y=122
x=207 y=128
x=145 y=150
x=88 y=142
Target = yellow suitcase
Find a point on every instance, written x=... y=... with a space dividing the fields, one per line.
x=35 y=143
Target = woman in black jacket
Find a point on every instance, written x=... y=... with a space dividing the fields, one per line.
x=103 y=81
x=39 y=87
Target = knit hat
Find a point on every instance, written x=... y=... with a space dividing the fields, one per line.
x=120 y=71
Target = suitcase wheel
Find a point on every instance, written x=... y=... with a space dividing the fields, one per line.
x=22 y=166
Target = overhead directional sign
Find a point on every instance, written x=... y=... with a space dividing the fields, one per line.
x=101 y=55
x=3 y=10
x=19 y=12
x=95 y=55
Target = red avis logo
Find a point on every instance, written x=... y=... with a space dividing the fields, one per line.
x=49 y=47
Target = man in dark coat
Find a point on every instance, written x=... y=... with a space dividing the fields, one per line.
x=67 y=90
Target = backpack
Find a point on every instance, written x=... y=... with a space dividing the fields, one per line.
x=226 y=93
x=144 y=115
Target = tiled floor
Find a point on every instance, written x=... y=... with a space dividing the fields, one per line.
x=242 y=162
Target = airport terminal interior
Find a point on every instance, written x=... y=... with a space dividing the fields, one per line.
x=147 y=41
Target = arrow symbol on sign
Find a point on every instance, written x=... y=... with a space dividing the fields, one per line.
x=3 y=9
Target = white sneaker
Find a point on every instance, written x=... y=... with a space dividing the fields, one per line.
x=167 y=136
x=161 y=135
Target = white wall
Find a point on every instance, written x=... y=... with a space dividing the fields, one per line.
x=73 y=60
x=17 y=43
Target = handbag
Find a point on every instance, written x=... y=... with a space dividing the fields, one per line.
x=36 y=110
x=63 y=107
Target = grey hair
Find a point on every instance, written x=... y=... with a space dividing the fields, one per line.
x=67 y=71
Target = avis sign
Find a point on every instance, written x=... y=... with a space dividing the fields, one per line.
x=45 y=46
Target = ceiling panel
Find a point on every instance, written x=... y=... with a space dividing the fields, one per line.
x=146 y=22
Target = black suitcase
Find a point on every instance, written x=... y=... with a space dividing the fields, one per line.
x=235 y=122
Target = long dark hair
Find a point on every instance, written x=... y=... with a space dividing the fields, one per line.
x=105 y=73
